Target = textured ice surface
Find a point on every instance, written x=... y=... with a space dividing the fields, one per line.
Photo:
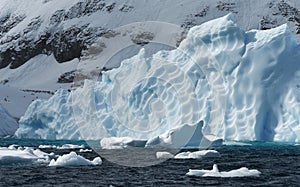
x=242 y=172
x=72 y=159
x=243 y=85
x=8 y=125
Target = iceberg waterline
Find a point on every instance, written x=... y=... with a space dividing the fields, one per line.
x=243 y=85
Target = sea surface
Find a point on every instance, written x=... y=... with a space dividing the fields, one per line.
x=279 y=164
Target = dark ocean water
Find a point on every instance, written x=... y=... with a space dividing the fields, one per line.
x=278 y=163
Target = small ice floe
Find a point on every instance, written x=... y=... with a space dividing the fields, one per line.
x=72 y=159
x=197 y=154
x=23 y=155
x=186 y=135
x=47 y=146
x=13 y=146
x=242 y=172
x=70 y=146
x=234 y=143
x=85 y=150
x=164 y=155
x=65 y=146
x=121 y=142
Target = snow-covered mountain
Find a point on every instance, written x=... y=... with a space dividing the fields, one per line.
x=48 y=44
x=42 y=41
x=243 y=85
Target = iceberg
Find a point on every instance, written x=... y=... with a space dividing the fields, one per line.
x=244 y=86
x=242 y=172
x=8 y=125
x=72 y=159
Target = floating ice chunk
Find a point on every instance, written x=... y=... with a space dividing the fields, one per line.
x=242 y=172
x=197 y=154
x=47 y=146
x=85 y=150
x=164 y=155
x=65 y=146
x=184 y=136
x=13 y=146
x=12 y=155
x=210 y=140
x=70 y=146
x=121 y=142
x=72 y=159
x=233 y=143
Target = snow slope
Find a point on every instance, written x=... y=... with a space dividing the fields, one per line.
x=8 y=125
x=243 y=85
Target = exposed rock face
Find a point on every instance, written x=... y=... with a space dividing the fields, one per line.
x=66 y=43
x=67 y=32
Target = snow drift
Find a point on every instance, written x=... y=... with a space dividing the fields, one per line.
x=243 y=85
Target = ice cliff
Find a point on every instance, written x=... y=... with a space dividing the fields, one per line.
x=243 y=85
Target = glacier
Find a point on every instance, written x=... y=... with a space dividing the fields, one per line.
x=242 y=85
